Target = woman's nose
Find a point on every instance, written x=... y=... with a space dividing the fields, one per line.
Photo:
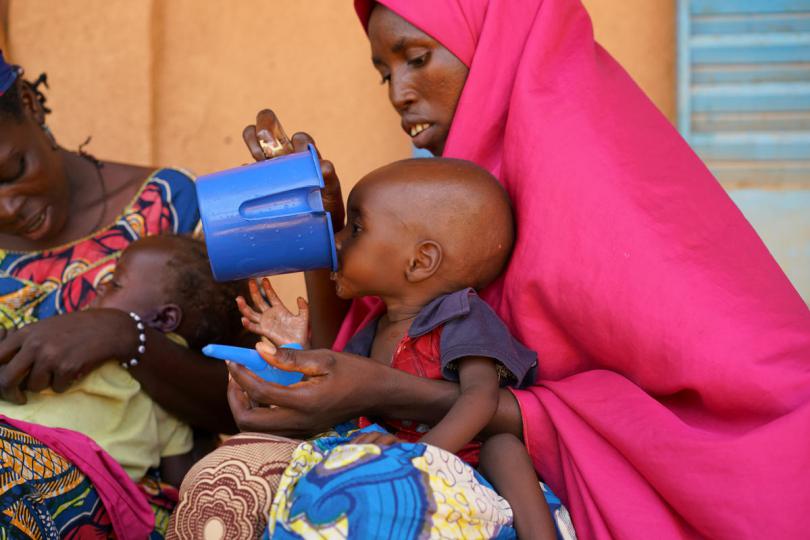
x=401 y=93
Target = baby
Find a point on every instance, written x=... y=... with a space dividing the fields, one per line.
x=424 y=235
x=167 y=281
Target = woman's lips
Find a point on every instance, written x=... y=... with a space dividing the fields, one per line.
x=418 y=128
x=420 y=134
x=38 y=224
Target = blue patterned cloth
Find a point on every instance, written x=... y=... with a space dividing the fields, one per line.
x=403 y=491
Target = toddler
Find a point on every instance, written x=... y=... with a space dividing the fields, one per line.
x=167 y=282
x=424 y=235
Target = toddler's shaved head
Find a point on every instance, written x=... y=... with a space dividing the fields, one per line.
x=456 y=204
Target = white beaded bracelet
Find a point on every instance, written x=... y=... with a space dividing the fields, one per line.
x=141 y=342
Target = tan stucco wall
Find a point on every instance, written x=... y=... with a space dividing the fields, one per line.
x=641 y=35
x=174 y=82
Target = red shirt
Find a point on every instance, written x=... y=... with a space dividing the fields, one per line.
x=445 y=331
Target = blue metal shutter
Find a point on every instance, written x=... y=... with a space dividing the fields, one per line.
x=744 y=106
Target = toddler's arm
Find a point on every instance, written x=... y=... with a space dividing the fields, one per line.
x=273 y=320
x=474 y=408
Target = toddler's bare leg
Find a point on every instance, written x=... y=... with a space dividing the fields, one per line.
x=505 y=463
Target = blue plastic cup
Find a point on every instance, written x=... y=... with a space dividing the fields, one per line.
x=267 y=218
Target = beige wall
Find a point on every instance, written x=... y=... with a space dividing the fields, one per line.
x=173 y=82
x=641 y=35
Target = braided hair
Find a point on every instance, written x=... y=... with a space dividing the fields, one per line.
x=11 y=106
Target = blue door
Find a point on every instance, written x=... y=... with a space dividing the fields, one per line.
x=744 y=106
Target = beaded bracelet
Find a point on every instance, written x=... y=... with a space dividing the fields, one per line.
x=141 y=342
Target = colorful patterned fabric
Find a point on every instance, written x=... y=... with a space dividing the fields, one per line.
x=402 y=491
x=38 y=284
x=42 y=495
x=336 y=490
x=46 y=497
x=228 y=493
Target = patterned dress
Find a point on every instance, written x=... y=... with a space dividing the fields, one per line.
x=35 y=285
x=42 y=495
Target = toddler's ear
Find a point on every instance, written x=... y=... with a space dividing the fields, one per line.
x=426 y=260
x=166 y=318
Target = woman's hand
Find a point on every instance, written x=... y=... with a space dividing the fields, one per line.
x=257 y=136
x=273 y=320
x=340 y=387
x=55 y=352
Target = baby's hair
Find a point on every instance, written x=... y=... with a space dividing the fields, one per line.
x=11 y=101
x=193 y=287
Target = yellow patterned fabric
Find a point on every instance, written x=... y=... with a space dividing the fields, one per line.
x=335 y=490
x=109 y=406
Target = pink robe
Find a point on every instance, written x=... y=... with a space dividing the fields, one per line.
x=674 y=392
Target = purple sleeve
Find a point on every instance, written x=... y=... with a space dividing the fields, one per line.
x=482 y=333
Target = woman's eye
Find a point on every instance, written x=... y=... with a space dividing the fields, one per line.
x=18 y=174
x=356 y=229
x=385 y=79
x=419 y=61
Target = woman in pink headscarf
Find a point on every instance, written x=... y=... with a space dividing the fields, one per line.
x=674 y=391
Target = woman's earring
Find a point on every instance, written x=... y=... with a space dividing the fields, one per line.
x=49 y=134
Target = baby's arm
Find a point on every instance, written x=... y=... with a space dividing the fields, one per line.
x=273 y=320
x=474 y=408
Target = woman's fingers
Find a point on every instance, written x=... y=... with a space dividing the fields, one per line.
x=12 y=375
x=375 y=437
x=252 y=142
x=331 y=193
x=11 y=343
x=237 y=399
x=300 y=141
x=263 y=392
x=313 y=363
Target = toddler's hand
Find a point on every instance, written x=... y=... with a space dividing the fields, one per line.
x=273 y=320
x=375 y=437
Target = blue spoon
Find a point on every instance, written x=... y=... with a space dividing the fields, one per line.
x=255 y=363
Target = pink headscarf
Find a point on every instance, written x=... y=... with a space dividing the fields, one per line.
x=674 y=398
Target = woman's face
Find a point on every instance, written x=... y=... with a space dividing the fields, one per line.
x=34 y=194
x=424 y=78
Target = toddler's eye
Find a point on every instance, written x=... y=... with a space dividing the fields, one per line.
x=356 y=229
x=385 y=79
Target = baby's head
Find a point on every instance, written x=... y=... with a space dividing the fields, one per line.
x=167 y=280
x=427 y=226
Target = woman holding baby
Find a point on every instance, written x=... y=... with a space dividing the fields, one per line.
x=65 y=219
x=672 y=397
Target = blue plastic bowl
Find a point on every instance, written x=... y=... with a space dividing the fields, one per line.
x=267 y=218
